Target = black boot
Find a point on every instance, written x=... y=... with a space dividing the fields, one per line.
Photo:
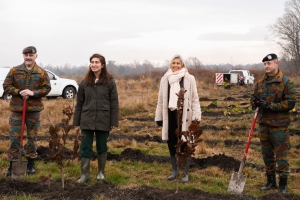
x=8 y=172
x=174 y=168
x=30 y=166
x=282 y=185
x=271 y=184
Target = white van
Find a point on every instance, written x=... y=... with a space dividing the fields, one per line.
x=67 y=88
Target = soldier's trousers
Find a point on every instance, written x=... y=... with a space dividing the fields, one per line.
x=275 y=144
x=32 y=122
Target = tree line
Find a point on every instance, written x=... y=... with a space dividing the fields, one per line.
x=286 y=34
x=146 y=67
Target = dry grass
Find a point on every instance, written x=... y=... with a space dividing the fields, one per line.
x=137 y=99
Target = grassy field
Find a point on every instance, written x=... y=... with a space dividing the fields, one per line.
x=226 y=117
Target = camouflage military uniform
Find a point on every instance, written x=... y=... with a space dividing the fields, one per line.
x=18 y=79
x=273 y=133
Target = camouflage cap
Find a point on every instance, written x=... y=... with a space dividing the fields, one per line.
x=30 y=50
x=269 y=57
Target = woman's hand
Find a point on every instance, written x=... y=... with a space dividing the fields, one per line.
x=159 y=123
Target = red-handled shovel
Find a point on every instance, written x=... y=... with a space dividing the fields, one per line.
x=238 y=180
x=19 y=167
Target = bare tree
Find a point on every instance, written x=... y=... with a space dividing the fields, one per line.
x=194 y=62
x=286 y=29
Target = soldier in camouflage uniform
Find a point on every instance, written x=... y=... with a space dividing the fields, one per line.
x=31 y=82
x=275 y=96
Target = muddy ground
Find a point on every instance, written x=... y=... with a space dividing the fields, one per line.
x=53 y=190
x=108 y=190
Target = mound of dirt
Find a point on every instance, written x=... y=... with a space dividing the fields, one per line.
x=222 y=161
x=229 y=143
x=230 y=99
x=206 y=99
x=108 y=190
x=212 y=105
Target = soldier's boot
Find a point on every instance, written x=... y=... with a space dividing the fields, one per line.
x=85 y=170
x=101 y=165
x=174 y=168
x=271 y=182
x=30 y=166
x=8 y=172
x=282 y=185
x=186 y=170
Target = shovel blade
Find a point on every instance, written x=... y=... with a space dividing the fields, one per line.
x=18 y=168
x=237 y=183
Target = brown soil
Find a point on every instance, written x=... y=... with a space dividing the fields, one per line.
x=108 y=190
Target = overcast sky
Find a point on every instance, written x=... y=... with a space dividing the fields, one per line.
x=70 y=31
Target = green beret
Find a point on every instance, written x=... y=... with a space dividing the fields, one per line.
x=269 y=57
x=30 y=50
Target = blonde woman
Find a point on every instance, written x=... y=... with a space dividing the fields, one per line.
x=176 y=77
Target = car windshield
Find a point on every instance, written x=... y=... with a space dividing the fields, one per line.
x=237 y=72
x=51 y=76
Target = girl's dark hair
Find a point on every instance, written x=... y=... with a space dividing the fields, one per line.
x=104 y=76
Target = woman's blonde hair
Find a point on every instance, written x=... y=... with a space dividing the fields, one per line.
x=180 y=58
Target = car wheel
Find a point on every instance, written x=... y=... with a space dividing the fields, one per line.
x=7 y=97
x=69 y=93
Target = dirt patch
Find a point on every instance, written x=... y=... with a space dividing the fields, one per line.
x=212 y=105
x=206 y=99
x=245 y=96
x=230 y=99
x=222 y=161
x=276 y=196
x=108 y=190
x=229 y=143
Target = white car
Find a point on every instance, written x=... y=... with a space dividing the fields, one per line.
x=66 y=88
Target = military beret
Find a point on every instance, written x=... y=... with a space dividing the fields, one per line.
x=269 y=57
x=30 y=50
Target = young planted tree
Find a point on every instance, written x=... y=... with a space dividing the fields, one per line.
x=191 y=137
x=57 y=143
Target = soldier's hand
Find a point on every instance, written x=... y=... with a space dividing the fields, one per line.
x=264 y=104
x=25 y=93
x=255 y=103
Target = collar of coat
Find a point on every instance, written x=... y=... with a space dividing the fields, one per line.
x=277 y=78
x=33 y=70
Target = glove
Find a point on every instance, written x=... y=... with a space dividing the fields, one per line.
x=159 y=123
x=264 y=104
x=255 y=103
